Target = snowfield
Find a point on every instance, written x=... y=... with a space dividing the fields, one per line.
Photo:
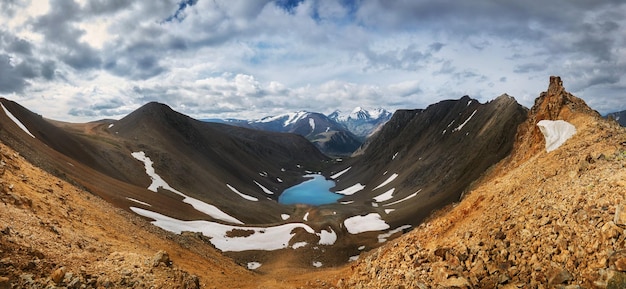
x=351 y=190
x=556 y=132
x=369 y=222
x=262 y=238
x=335 y=176
x=16 y=121
x=389 y=180
x=403 y=199
x=382 y=238
x=158 y=182
x=460 y=127
x=265 y=190
x=247 y=197
x=385 y=196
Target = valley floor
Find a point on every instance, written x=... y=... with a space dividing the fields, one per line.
x=52 y=233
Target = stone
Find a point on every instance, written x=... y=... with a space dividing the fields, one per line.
x=161 y=257
x=57 y=275
x=459 y=282
x=4 y=283
x=620 y=215
x=560 y=276
x=617 y=281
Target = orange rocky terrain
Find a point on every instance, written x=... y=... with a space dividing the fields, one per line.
x=536 y=220
x=55 y=234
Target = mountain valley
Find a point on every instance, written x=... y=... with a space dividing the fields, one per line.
x=446 y=196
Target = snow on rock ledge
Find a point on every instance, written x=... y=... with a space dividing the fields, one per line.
x=556 y=132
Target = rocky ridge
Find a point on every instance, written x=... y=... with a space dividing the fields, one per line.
x=537 y=220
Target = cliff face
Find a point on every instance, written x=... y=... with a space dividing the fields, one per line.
x=546 y=220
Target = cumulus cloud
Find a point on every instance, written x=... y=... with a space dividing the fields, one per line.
x=235 y=58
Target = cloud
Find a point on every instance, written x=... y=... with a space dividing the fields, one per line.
x=238 y=58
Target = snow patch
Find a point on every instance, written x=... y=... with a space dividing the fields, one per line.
x=299 y=245
x=385 y=196
x=111 y=125
x=351 y=190
x=361 y=248
x=340 y=173
x=262 y=238
x=388 y=211
x=254 y=265
x=158 y=182
x=388 y=180
x=353 y=258
x=138 y=202
x=369 y=222
x=306 y=216
x=346 y=202
x=317 y=264
x=404 y=199
x=265 y=190
x=312 y=124
x=247 y=197
x=327 y=238
x=384 y=236
x=394 y=156
x=284 y=216
x=556 y=132
x=458 y=128
x=279 y=180
x=16 y=121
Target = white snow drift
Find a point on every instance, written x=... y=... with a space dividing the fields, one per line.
x=262 y=238
x=16 y=121
x=369 y=222
x=158 y=182
x=556 y=132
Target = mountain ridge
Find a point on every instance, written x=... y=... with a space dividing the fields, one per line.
x=533 y=203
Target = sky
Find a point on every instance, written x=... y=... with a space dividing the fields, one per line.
x=84 y=60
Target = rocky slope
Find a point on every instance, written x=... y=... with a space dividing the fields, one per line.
x=55 y=235
x=537 y=220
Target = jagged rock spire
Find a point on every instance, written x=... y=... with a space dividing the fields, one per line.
x=554 y=104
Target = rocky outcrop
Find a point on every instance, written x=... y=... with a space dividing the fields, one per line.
x=554 y=104
x=553 y=220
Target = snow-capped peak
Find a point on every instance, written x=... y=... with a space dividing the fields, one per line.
x=360 y=113
x=290 y=118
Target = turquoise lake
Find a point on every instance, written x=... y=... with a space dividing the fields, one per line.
x=315 y=191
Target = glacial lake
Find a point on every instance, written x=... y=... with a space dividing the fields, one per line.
x=315 y=191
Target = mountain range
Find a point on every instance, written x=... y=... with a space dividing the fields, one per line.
x=619 y=116
x=461 y=184
x=335 y=134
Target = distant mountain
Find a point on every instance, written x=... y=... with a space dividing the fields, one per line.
x=619 y=116
x=362 y=122
x=327 y=135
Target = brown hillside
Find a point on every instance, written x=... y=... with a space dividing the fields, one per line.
x=54 y=234
x=539 y=220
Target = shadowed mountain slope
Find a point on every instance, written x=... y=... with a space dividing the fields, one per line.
x=431 y=156
x=199 y=159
